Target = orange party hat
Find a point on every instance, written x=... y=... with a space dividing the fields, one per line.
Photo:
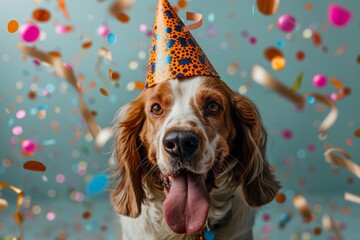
x=174 y=53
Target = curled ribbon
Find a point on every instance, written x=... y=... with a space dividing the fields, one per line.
x=191 y=16
x=262 y=77
x=67 y=73
x=352 y=197
x=302 y=206
x=331 y=225
x=17 y=215
x=103 y=53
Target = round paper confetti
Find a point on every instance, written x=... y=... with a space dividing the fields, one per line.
x=41 y=15
x=182 y=4
x=3 y=204
x=287 y=134
x=319 y=80
x=338 y=16
x=272 y=52
x=286 y=23
x=17 y=130
x=103 y=30
x=60 y=178
x=111 y=37
x=29 y=146
x=278 y=63
x=357 y=133
x=267 y=7
x=29 y=32
x=280 y=198
x=20 y=114
x=122 y=17
x=12 y=26
x=34 y=166
x=104 y=92
x=97 y=184
x=50 y=216
x=300 y=56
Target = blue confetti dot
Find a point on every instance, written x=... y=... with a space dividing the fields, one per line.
x=33 y=111
x=11 y=122
x=311 y=99
x=211 y=17
x=280 y=43
x=111 y=38
x=112 y=98
x=301 y=153
x=50 y=87
x=209 y=235
x=97 y=184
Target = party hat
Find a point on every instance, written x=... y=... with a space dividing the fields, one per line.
x=174 y=53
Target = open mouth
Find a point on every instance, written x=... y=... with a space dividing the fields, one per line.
x=187 y=200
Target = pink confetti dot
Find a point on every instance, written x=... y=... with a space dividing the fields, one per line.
x=29 y=146
x=334 y=96
x=149 y=33
x=103 y=30
x=29 y=32
x=287 y=134
x=17 y=130
x=60 y=178
x=253 y=40
x=319 y=80
x=50 y=216
x=20 y=114
x=142 y=27
x=68 y=66
x=338 y=16
x=311 y=148
x=266 y=217
x=286 y=23
x=61 y=29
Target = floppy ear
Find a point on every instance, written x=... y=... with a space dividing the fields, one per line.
x=257 y=180
x=128 y=194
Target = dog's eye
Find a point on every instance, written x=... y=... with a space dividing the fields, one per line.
x=213 y=107
x=156 y=109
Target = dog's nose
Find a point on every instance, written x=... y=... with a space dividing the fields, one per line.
x=181 y=144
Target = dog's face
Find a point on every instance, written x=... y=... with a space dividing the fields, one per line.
x=184 y=133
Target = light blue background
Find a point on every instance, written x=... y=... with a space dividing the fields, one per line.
x=322 y=185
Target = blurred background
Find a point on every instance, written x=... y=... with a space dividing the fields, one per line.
x=308 y=45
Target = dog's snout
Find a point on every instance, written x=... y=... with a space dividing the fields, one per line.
x=181 y=144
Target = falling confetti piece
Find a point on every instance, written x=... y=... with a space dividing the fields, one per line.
x=357 y=133
x=336 y=83
x=12 y=26
x=352 y=197
x=319 y=80
x=86 y=44
x=267 y=7
x=97 y=184
x=301 y=204
x=338 y=16
x=341 y=50
x=286 y=23
x=343 y=162
x=317 y=231
x=280 y=198
x=41 y=15
x=3 y=204
x=111 y=37
x=278 y=63
x=316 y=39
x=298 y=82
x=29 y=32
x=272 y=52
x=122 y=17
x=34 y=166
x=17 y=215
x=331 y=225
x=300 y=56
x=63 y=8
x=104 y=92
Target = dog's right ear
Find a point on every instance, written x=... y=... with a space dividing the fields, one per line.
x=127 y=194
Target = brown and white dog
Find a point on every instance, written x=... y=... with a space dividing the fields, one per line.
x=190 y=153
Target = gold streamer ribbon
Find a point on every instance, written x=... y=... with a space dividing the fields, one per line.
x=17 y=215
x=264 y=78
x=343 y=162
x=331 y=225
x=352 y=197
x=299 y=201
x=64 y=72
x=191 y=16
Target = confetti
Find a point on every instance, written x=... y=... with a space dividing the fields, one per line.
x=352 y=197
x=286 y=23
x=122 y=17
x=68 y=74
x=319 y=80
x=17 y=215
x=111 y=37
x=301 y=204
x=278 y=63
x=331 y=225
x=63 y=8
x=29 y=32
x=300 y=56
x=104 y=92
x=340 y=161
x=271 y=52
x=262 y=77
x=338 y=16
x=285 y=219
x=3 y=204
x=296 y=86
x=41 y=15
x=12 y=26
x=316 y=39
x=341 y=50
x=267 y=7
x=103 y=30
x=280 y=198
x=28 y=146
x=34 y=166
x=62 y=29
x=97 y=184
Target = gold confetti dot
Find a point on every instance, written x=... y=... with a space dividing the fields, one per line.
x=278 y=63
x=280 y=198
x=317 y=231
x=357 y=133
x=182 y=4
x=12 y=26
x=104 y=92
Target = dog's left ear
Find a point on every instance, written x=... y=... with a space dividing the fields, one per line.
x=257 y=180
x=128 y=194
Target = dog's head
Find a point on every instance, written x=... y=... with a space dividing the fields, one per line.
x=183 y=134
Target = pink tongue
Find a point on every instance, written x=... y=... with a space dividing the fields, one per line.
x=187 y=203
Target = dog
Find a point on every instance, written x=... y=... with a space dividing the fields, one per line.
x=190 y=157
